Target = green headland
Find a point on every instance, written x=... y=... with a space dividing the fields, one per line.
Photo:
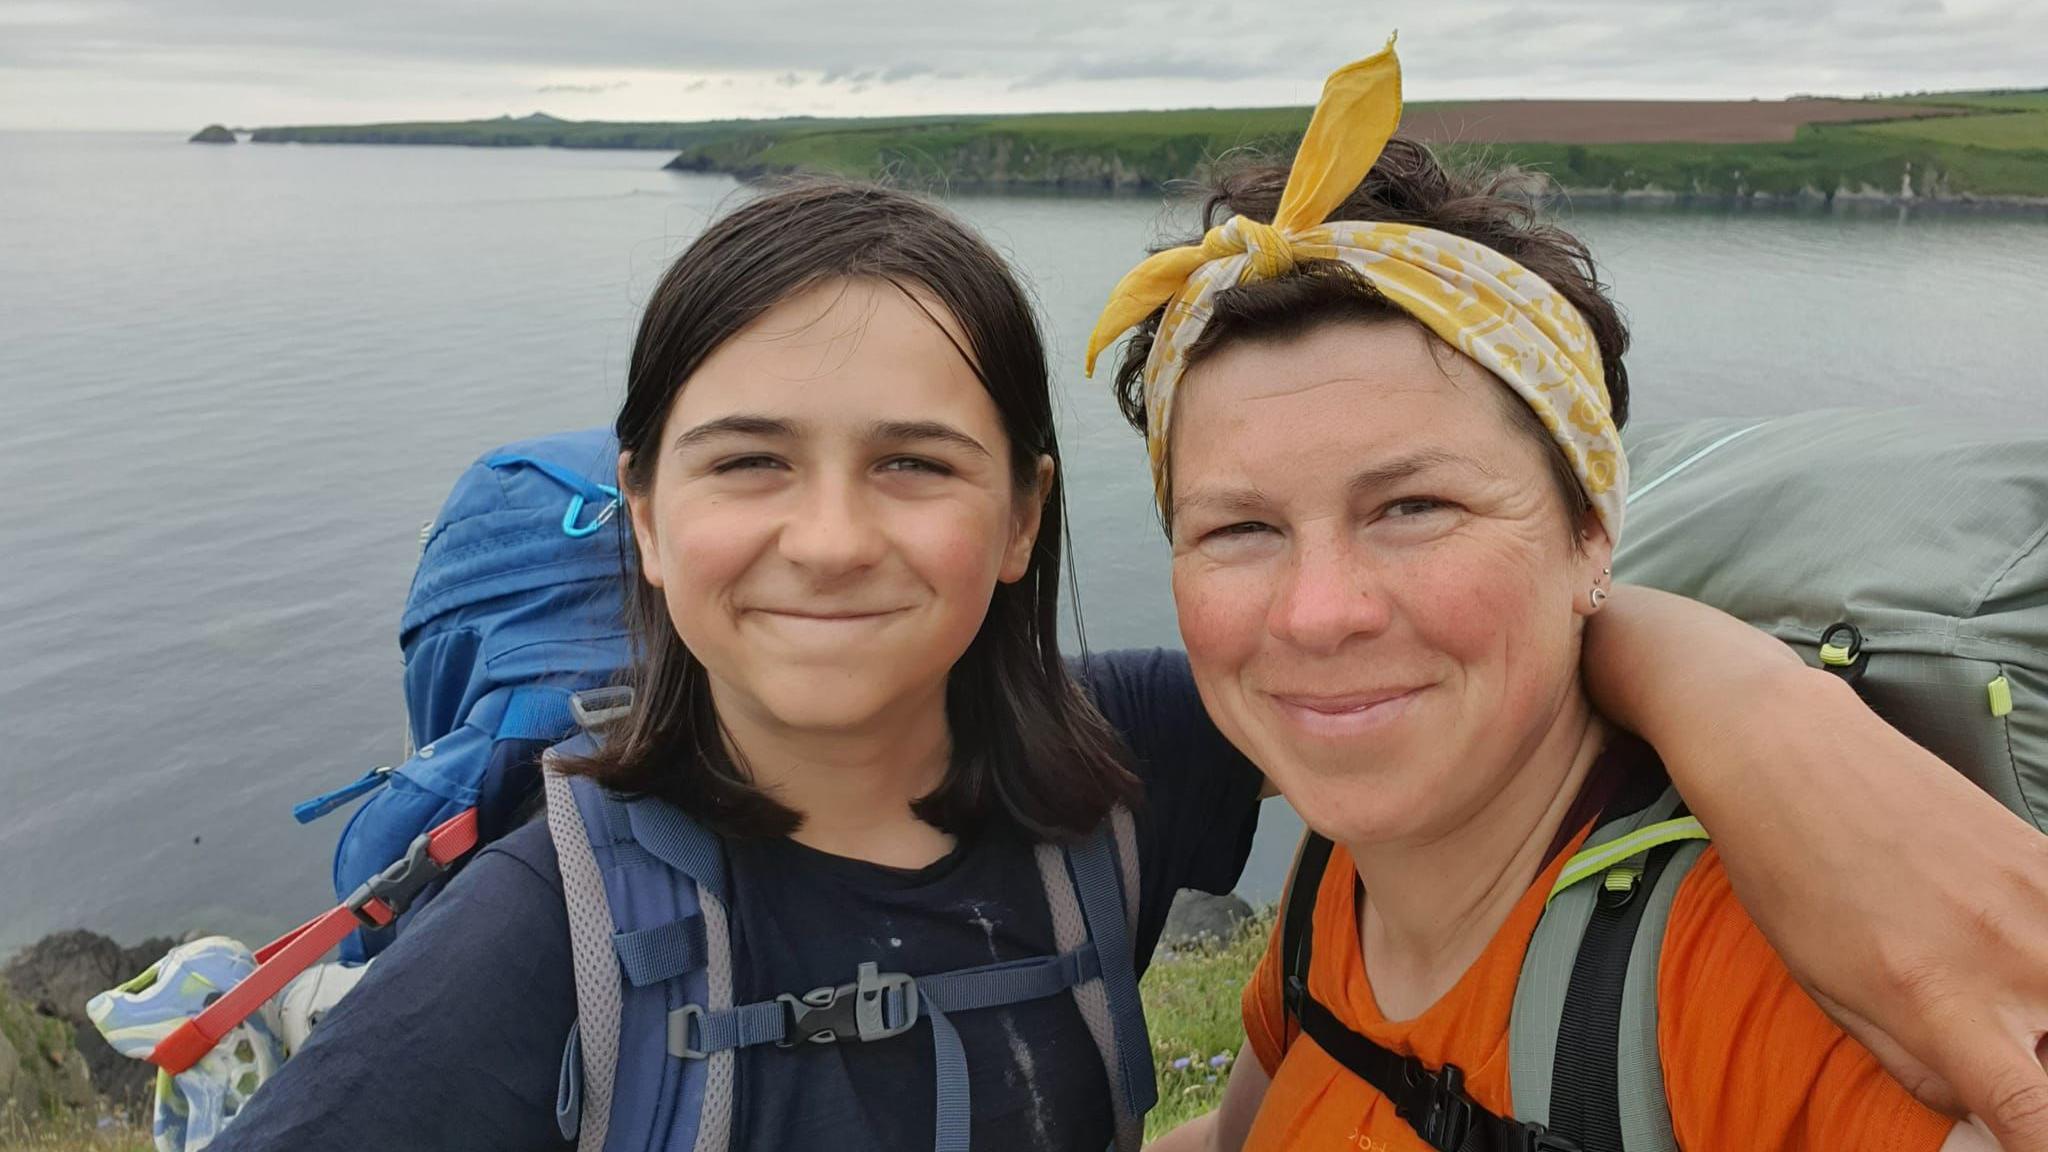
x=1953 y=146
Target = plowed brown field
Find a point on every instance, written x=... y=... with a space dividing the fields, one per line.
x=1640 y=121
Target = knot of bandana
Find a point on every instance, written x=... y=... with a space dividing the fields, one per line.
x=1475 y=299
x=1272 y=255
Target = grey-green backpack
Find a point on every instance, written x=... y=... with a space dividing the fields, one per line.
x=1902 y=550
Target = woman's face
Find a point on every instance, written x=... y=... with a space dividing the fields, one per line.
x=1376 y=584
x=831 y=511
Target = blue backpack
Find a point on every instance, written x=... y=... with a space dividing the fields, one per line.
x=514 y=643
x=517 y=605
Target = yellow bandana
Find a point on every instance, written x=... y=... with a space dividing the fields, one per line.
x=1478 y=301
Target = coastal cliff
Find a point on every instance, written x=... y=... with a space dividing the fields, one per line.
x=1941 y=149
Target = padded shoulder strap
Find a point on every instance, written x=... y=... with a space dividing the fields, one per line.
x=596 y=1038
x=1083 y=910
x=1582 y=1040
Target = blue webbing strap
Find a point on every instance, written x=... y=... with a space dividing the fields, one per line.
x=679 y=842
x=695 y=1033
x=663 y=952
x=574 y=481
x=535 y=713
x=1101 y=894
x=569 y=1085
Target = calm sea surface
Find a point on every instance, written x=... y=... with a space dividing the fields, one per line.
x=234 y=382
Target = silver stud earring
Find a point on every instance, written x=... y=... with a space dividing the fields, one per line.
x=1607 y=571
x=1598 y=597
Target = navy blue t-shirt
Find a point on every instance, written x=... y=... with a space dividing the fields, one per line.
x=454 y=1038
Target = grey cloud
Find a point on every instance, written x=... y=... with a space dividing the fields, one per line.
x=584 y=89
x=1507 y=47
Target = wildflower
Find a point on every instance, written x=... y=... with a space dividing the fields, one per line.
x=1220 y=1060
x=1181 y=1064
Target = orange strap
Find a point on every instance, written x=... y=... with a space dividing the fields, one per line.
x=376 y=904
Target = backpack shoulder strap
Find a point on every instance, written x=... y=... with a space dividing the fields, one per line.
x=584 y=1106
x=663 y=936
x=1092 y=890
x=1582 y=1047
x=1297 y=920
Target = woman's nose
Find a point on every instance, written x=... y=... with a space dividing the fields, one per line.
x=832 y=529
x=1326 y=597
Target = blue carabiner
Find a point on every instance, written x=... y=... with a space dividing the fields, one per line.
x=575 y=512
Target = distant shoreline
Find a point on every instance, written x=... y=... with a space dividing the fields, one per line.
x=1951 y=151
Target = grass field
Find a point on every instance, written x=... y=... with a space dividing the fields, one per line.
x=1191 y=1005
x=2004 y=131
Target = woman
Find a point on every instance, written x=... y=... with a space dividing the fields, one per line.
x=844 y=491
x=1383 y=406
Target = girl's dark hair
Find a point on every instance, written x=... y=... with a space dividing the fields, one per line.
x=1408 y=185
x=1027 y=743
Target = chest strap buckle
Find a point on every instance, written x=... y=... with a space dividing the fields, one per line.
x=876 y=1006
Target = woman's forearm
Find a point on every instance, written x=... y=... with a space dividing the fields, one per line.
x=1909 y=903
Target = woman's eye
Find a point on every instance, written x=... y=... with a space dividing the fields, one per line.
x=1413 y=506
x=915 y=464
x=1240 y=529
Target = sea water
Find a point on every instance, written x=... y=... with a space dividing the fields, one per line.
x=235 y=381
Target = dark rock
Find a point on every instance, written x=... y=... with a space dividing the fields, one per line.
x=212 y=134
x=56 y=976
x=41 y=1074
x=1197 y=914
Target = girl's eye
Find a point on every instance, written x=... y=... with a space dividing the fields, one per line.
x=915 y=464
x=746 y=464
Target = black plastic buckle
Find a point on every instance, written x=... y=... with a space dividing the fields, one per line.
x=848 y=1011
x=1445 y=1113
x=398 y=884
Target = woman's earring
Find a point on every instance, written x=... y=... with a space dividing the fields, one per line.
x=1598 y=597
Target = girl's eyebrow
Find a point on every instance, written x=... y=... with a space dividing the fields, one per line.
x=902 y=431
x=739 y=425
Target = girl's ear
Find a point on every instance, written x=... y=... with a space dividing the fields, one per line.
x=1024 y=532
x=640 y=514
x=1594 y=565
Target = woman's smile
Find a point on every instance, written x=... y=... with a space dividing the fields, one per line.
x=1347 y=715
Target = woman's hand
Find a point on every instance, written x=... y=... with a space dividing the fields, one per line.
x=1908 y=903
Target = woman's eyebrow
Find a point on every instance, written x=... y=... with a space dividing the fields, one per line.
x=911 y=431
x=1407 y=467
x=740 y=425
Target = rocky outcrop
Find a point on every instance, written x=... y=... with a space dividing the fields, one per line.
x=41 y=1073
x=53 y=979
x=1196 y=915
x=212 y=134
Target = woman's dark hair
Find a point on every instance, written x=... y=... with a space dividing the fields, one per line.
x=1026 y=742
x=1408 y=185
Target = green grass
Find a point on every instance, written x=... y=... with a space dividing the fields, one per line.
x=2006 y=131
x=1191 y=1006
x=74 y=1135
x=2020 y=100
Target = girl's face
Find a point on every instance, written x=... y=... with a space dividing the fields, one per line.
x=1374 y=575
x=831 y=511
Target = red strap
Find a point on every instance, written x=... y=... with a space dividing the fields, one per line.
x=279 y=962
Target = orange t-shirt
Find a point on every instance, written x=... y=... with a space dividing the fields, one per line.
x=1750 y=1062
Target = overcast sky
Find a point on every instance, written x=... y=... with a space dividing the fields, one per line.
x=161 y=64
